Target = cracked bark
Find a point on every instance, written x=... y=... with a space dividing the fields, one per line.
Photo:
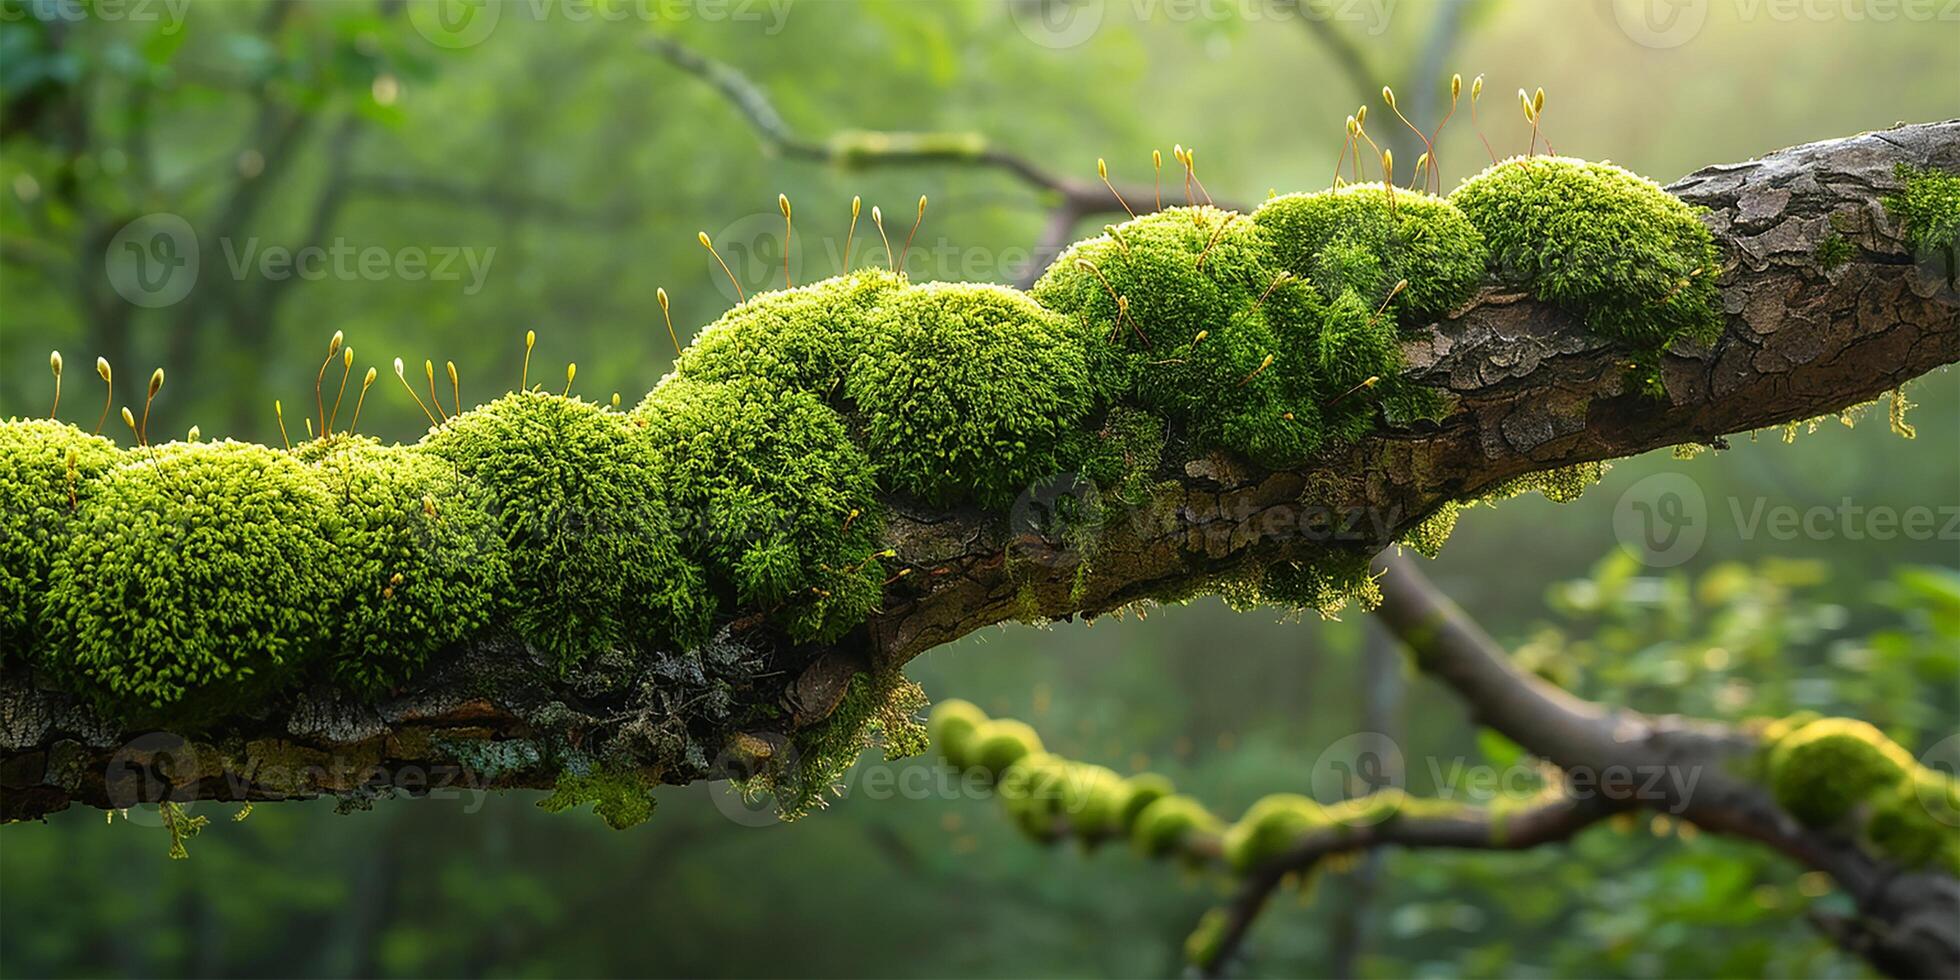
x=1530 y=391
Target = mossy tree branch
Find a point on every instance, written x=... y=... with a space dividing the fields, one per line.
x=1528 y=390
x=1832 y=794
x=1708 y=773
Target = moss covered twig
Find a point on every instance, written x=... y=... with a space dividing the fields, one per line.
x=1278 y=839
x=1833 y=794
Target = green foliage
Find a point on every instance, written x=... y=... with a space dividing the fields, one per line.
x=1929 y=206
x=197 y=578
x=1357 y=239
x=1834 y=250
x=595 y=548
x=967 y=391
x=420 y=564
x=1632 y=260
x=622 y=799
x=40 y=491
x=779 y=500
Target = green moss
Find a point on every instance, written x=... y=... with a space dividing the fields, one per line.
x=1031 y=791
x=1562 y=485
x=1917 y=823
x=181 y=827
x=802 y=338
x=1152 y=262
x=1834 y=250
x=1928 y=204
x=1207 y=940
x=1269 y=828
x=780 y=503
x=421 y=564
x=1167 y=823
x=621 y=799
x=1326 y=584
x=1356 y=239
x=952 y=728
x=1825 y=769
x=1122 y=455
x=40 y=492
x=1426 y=538
x=879 y=709
x=1002 y=742
x=1631 y=259
x=1830 y=771
x=748 y=482
x=1144 y=788
x=1093 y=798
x=595 y=550
x=196 y=580
x=1235 y=348
x=967 y=391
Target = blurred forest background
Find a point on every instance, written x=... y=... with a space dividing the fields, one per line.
x=575 y=159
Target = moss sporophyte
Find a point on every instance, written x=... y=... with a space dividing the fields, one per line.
x=179 y=582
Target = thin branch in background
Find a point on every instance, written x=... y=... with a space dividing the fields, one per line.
x=1556 y=818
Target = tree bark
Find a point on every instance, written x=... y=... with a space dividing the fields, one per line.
x=1530 y=390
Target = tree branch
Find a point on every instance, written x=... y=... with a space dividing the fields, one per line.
x=1530 y=390
x=1557 y=818
x=873 y=148
x=1908 y=923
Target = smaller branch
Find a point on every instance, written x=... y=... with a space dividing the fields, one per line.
x=877 y=148
x=1558 y=818
x=1451 y=647
x=1354 y=63
x=1056 y=233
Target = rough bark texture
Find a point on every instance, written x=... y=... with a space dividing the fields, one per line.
x=1531 y=391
